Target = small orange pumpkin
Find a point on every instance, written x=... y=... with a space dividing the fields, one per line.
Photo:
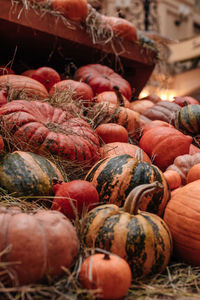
x=112 y=132
x=109 y=274
x=193 y=173
x=173 y=179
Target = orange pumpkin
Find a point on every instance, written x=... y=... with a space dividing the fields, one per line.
x=173 y=179
x=193 y=173
x=112 y=132
x=182 y=215
x=109 y=274
x=141 y=105
x=111 y=97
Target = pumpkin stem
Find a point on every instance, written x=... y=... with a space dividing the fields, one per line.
x=106 y=256
x=136 y=196
x=119 y=95
x=56 y=180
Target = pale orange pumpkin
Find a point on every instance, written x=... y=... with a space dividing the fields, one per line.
x=193 y=173
x=112 y=132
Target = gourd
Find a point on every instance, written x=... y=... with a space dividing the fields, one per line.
x=115 y=176
x=187 y=119
x=28 y=174
x=141 y=238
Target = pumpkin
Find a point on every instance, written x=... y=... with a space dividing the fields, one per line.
x=182 y=101
x=79 y=91
x=74 y=198
x=22 y=86
x=109 y=274
x=121 y=28
x=183 y=163
x=47 y=76
x=109 y=113
x=141 y=238
x=155 y=123
x=182 y=214
x=152 y=97
x=187 y=119
x=26 y=173
x=75 y=10
x=43 y=129
x=3 y=97
x=164 y=144
x=111 y=97
x=173 y=179
x=141 y=105
x=40 y=243
x=102 y=78
x=118 y=148
x=28 y=72
x=194 y=149
x=112 y=132
x=163 y=110
x=193 y=173
x=115 y=176
x=4 y=70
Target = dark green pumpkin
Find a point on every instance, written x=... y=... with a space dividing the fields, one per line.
x=141 y=238
x=187 y=119
x=114 y=177
x=28 y=174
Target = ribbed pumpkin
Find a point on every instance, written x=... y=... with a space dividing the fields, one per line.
x=44 y=129
x=141 y=238
x=114 y=177
x=20 y=86
x=26 y=173
x=182 y=214
x=188 y=119
x=37 y=245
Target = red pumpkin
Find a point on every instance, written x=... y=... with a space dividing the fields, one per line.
x=28 y=72
x=82 y=91
x=6 y=70
x=102 y=78
x=108 y=274
x=112 y=132
x=75 y=10
x=111 y=97
x=74 y=197
x=164 y=144
x=43 y=129
x=47 y=76
x=122 y=28
x=182 y=101
x=155 y=123
x=27 y=86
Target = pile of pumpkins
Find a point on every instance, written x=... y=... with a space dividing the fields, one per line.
x=139 y=199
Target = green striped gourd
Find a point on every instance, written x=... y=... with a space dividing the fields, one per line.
x=26 y=173
x=114 y=177
x=141 y=238
x=187 y=119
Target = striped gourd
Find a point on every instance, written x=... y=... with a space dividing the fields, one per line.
x=26 y=173
x=142 y=238
x=188 y=119
x=114 y=177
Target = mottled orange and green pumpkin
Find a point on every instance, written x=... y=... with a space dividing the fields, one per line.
x=188 y=119
x=114 y=177
x=141 y=238
x=26 y=173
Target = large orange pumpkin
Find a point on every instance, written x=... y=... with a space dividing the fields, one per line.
x=182 y=215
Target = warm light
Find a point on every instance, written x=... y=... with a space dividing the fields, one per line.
x=143 y=94
x=171 y=97
x=163 y=96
